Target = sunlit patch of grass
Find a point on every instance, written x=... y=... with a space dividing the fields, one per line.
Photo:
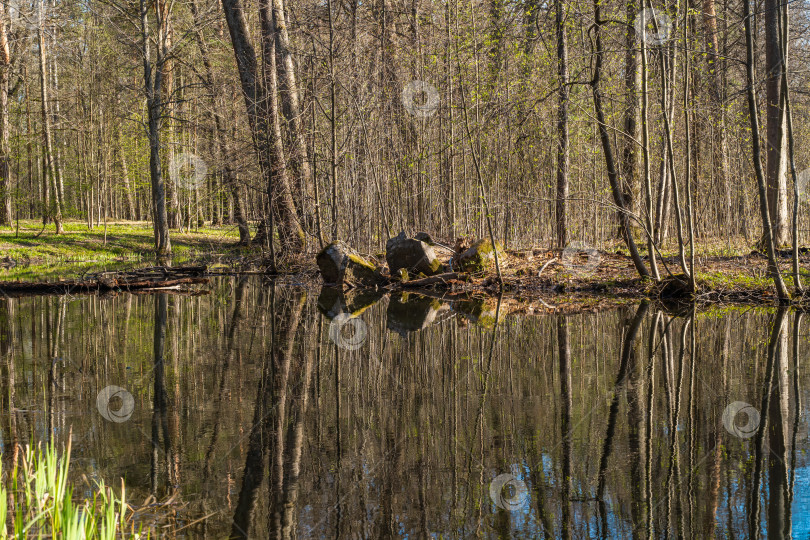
x=124 y=241
x=36 y=501
x=734 y=280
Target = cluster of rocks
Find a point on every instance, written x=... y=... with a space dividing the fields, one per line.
x=407 y=258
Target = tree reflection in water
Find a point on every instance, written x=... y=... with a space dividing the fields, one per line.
x=250 y=410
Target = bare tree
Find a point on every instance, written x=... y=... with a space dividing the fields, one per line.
x=5 y=165
x=562 y=126
x=153 y=81
x=753 y=114
x=266 y=129
x=55 y=210
x=776 y=124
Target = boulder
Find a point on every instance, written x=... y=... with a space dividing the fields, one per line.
x=341 y=265
x=413 y=255
x=424 y=237
x=480 y=257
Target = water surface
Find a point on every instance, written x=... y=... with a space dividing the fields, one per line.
x=280 y=411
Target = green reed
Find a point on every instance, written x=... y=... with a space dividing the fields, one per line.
x=36 y=501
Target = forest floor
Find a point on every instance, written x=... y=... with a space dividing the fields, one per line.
x=726 y=272
x=739 y=278
x=40 y=255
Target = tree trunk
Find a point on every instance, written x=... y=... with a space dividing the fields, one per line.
x=607 y=149
x=775 y=115
x=282 y=204
x=562 y=128
x=220 y=135
x=125 y=178
x=55 y=206
x=629 y=161
x=773 y=267
x=5 y=168
x=716 y=95
x=257 y=104
x=291 y=106
x=152 y=85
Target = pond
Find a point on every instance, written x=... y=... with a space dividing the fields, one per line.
x=275 y=410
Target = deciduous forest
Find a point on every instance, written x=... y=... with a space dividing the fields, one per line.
x=656 y=129
x=404 y=268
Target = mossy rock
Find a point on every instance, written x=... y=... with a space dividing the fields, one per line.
x=341 y=265
x=412 y=254
x=480 y=257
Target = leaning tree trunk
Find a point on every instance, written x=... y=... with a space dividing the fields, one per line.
x=291 y=104
x=258 y=105
x=607 y=148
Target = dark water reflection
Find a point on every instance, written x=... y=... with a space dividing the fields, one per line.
x=282 y=412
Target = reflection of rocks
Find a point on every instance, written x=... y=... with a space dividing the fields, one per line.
x=333 y=301
x=413 y=255
x=412 y=312
x=481 y=311
x=341 y=265
x=407 y=311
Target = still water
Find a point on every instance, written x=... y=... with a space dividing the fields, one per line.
x=279 y=411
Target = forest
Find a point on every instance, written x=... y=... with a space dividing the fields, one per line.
x=668 y=132
x=404 y=268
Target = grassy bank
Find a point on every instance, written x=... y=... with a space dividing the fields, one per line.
x=41 y=254
x=726 y=270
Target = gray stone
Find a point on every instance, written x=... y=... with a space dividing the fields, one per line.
x=480 y=257
x=413 y=255
x=341 y=265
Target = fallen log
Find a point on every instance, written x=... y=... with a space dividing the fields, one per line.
x=151 y=278
x=441 y=278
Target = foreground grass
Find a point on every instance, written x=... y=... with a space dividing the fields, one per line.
x=36 y=501
x=40 y=254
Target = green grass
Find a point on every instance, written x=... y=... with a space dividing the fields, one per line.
x=737 y=280
x=80 y=249
x=37 y=501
